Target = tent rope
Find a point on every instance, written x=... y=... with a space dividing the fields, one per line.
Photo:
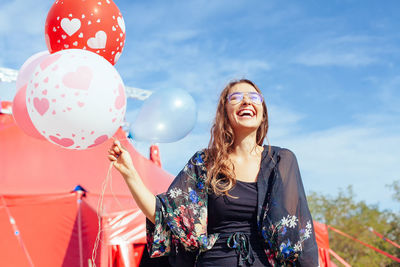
x=17 y=233
x=340 y=259
x=365 y=244
x=383 y=238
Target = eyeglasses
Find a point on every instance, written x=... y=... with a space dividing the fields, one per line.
x=237 y=97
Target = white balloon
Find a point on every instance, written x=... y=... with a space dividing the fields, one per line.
x=25 y=72
x=76 y=99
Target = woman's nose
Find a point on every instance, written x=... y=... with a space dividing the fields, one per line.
x=246 y=99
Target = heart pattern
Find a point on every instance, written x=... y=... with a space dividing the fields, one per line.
x=121 y=23
x=117 y=55
x=99 y=41
x=41 y=105
x=65 y=142
x=80 y=79
x=75 y=99
x=48 y=61
x=99 y=140
x=70 y=26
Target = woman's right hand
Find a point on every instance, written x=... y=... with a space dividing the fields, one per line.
x=121 y=159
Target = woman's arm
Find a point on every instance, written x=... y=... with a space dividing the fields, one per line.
x=288 y=226
x=123 y=163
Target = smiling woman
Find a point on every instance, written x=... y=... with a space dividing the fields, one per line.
x=237 y=202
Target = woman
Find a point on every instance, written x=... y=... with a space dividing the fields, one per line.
x=236 y=203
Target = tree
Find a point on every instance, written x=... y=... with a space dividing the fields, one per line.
x=395 y=186
x=354 y=218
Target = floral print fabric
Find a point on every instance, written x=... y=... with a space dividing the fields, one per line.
x=284 y=220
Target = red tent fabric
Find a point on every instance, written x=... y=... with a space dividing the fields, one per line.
x=322 y=237
x=324 y=251
x=44 y=222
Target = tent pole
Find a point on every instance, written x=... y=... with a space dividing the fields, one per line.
x=79 y=202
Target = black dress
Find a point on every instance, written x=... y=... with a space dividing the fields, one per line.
x=235 y=219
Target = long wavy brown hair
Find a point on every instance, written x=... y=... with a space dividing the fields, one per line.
x=220 y=169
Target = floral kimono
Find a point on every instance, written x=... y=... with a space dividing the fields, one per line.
x=283 y=218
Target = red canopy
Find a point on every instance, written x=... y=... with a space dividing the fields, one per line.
x=44 y=222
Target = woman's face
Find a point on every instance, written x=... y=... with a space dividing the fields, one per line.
x=244 y=115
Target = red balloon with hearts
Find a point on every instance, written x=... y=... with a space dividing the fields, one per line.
x=94 y=25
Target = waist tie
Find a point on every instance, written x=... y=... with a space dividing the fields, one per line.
x=241 y=243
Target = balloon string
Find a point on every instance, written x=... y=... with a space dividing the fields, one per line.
x=113 y=194
x=100 y=206
x=99 y=213
x=16 y=231
x=111 y=187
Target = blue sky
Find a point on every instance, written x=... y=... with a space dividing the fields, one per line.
x=329 y=72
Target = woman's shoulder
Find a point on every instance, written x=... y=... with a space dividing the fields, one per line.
x=282 y=152
x=198 y=157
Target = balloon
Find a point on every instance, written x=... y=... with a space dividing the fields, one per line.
x=25 y=72
x=95 y=25
x=76 y=99
x=166 y=116
x=20 y=113
x=21 y=116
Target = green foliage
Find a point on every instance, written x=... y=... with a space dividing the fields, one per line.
x=343 y=212
x=395 y=186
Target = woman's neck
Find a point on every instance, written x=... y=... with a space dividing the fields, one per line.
x=246 y=145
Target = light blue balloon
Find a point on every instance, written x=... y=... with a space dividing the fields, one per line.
x=166 y=116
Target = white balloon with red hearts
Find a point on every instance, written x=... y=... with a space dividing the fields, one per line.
x=76 y=99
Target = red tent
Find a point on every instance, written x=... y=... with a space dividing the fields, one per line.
x=46 y=220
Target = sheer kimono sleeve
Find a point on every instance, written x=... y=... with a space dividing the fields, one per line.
x=181 y=212
x=290 y=230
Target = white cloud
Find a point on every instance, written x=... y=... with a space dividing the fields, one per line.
x=283 y=122
x=30 y=16
x=178 y=35
x=332 y=58
x=390 y=94
x=365 y=157
x=350 y=51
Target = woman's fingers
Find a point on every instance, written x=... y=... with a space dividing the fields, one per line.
x=117 y=150
x=117 y=143
x=112 y=158
x=121 y=159
x=112 y=153
x=120 y=146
